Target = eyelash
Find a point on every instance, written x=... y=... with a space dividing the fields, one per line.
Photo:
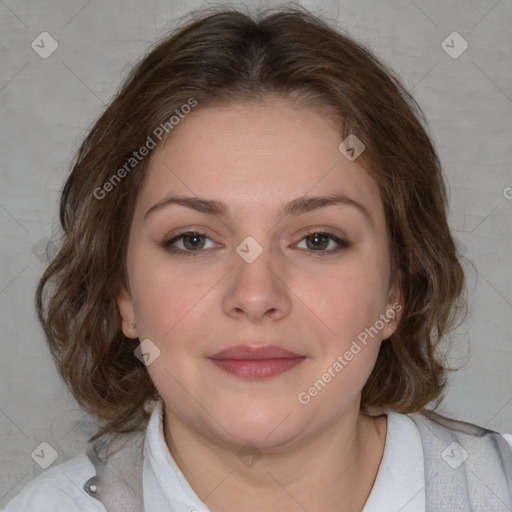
x=168 y=244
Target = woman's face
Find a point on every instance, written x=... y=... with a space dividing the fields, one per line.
x=258 y=253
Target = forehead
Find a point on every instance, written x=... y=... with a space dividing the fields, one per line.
x=256 y=155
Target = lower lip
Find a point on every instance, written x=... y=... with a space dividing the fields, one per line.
x=257 y=368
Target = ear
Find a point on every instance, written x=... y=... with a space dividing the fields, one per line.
x=393 y=311
x=127 y=313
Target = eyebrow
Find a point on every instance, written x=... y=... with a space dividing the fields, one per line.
x=295 y=207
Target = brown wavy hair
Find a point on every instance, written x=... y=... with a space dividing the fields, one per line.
x=231 y=56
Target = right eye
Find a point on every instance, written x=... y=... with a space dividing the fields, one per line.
x=188 y=242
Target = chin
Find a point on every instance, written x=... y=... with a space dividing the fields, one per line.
x=265 y=428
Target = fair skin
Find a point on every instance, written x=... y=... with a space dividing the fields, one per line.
x=256 y=157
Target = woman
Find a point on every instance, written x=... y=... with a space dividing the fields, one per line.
x=255 y=273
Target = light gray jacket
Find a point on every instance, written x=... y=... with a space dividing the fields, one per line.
x=467 y=469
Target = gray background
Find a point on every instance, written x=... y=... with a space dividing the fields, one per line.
x=47 y=104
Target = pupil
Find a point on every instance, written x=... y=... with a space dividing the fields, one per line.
x=318 y=241
x=195 y=241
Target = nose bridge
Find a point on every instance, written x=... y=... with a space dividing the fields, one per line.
x=256 y=289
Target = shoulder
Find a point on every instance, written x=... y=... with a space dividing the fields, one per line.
x=59 y=489
x=437 y=423
x=465 y=463
x=466 y=466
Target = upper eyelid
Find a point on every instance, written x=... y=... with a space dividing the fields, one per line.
x=203 y=232
x=189 y=230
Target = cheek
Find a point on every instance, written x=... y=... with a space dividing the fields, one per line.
x=349 y=299
x=349 y=304
x=166 y=295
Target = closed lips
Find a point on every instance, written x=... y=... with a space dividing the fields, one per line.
x=246 y=352
x=256 y=363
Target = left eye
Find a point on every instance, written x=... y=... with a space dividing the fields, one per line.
x=319 y=242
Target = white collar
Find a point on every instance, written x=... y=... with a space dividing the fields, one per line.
x=399 y=486
x=164 y=485
x=400 y=482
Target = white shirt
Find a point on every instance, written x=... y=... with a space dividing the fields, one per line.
x=399 y=486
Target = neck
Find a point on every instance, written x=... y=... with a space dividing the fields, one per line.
x=332 y=470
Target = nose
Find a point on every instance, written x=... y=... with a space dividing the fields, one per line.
x=257 y=291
